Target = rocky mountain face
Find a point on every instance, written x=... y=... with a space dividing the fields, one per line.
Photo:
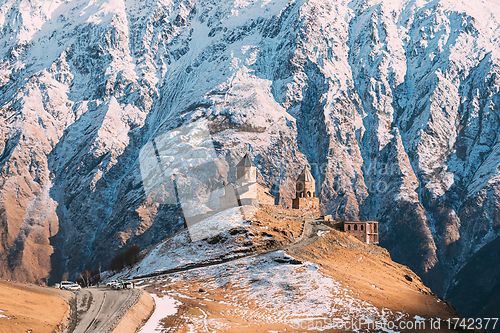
x=394 y=105
x=475 y=290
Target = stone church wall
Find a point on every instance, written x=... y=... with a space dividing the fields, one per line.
x=264 y=197
x=282 y=212
x=306 y=203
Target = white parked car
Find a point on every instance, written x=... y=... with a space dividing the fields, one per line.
x=111 y=283
x=117 y=285
x=114 y=284
x=74 y=287
x=65 y=284
x=123 y=285
x=68 y=285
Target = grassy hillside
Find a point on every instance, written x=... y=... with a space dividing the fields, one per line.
x=29 y=308
x=335 y=278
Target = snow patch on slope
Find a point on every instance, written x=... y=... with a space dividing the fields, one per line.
x=260 y=286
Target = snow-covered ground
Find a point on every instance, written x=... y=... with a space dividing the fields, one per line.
x=180 y=250
x=263 y=289
x=164 y=306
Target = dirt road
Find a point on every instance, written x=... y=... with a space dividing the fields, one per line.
x=311 y=228
x=100 y=309
x=310 y=234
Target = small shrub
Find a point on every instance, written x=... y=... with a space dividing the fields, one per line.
x=89 y=277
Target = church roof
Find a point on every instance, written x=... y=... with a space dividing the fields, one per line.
x=306 y=176
x=246 y=161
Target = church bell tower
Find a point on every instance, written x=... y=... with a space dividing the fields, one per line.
x=246 y=170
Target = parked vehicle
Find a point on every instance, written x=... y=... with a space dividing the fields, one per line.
x=117 y=285
x=68 y=285
x=110 y=283
x=128 y=285
x=114 y=284
x=74 y=287
x=65 y=284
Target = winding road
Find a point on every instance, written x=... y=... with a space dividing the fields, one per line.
x=309 y=235
x=100 y=309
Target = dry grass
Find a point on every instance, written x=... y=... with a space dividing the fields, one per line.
x=201 y=314
x=31 y=308
x=369 y=271
x=365 y=271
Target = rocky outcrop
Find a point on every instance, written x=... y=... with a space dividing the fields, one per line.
x=393 y=105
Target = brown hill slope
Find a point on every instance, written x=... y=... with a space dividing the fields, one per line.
x=331 y=284
x=370 y=273
x=29 y=308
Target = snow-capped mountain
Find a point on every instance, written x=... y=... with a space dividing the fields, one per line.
x=393 y=104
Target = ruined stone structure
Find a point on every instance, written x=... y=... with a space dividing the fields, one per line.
x=305 y=193
x=366 y=231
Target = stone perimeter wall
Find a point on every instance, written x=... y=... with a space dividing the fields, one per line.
x=282 y=212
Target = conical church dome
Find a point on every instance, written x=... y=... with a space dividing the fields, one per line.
x=246 y=170
x=246 y=161
x=306 y=176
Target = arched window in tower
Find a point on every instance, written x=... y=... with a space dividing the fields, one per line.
x=348 y=227
x=314 y=194
x=355 y=227
x=308 y=194
x=361 y=227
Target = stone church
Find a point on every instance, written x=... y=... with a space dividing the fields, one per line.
x=247 y=191
x=305 y=192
